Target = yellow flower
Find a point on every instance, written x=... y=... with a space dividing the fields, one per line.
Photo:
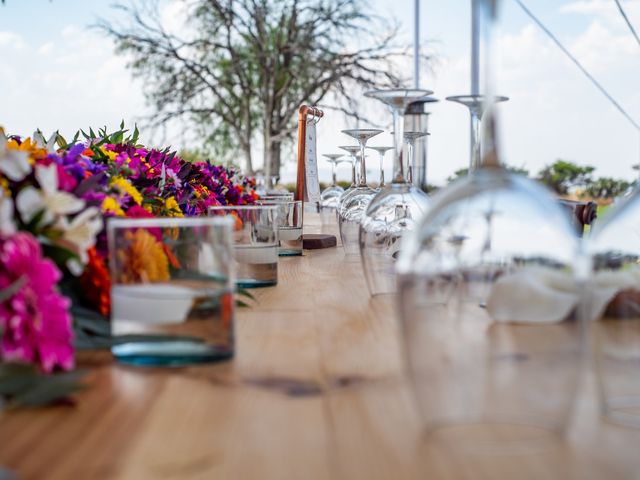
x=4 y=187
x=109 y=204
x=172 y=207
x=125 y=186
x=29 y=147
x=109 y=153
x=144 y=260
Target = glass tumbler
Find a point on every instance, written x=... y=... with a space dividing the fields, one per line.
x=255 y=241
x=172 y=290
x=289 y=226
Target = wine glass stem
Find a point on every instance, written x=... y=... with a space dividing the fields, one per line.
x=398 y=131
x=476 y=143
x=333 y=174
x=410 y=159
x=363 y=166
x=353 y=171
x=381 y=170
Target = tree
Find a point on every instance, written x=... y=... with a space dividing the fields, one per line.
x=607 y=187
x=463 y=172
x=562 y=176
x=243 y=67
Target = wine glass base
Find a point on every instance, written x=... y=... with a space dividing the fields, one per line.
x=495 y=437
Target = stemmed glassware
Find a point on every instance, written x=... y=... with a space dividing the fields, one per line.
x=354 y=203
x=410 y=140
x=353 y=151
x=394 y=209
x=330 y=195
x=381 y=151
x=476 y=105
x=615 y=308
x=491 y=307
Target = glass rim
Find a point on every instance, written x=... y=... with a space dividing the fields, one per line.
x=277 y=201
x=240 y=207
x=144 y=222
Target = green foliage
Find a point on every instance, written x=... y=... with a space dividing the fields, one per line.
x=463 y=172
x=241 y=69
x=606 y=187
x=563 y=176
x=23 y=385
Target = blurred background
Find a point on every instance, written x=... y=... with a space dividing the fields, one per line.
x=71 y=64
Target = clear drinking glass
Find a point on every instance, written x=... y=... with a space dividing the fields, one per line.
x=394 y=209
x=354 y=203
x=476 y=105
x=491 y=307
x=172 y=290
x=255 y=243
x=615 y=307
x=381 y=151
x=289 y=226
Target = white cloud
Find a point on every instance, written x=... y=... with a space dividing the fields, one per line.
x=73 y=81
x=11 y=40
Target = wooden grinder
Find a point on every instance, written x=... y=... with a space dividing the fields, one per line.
x=310 y=241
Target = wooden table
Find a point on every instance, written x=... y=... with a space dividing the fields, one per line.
x=316 y=390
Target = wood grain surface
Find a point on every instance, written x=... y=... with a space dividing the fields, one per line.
x=316 y=391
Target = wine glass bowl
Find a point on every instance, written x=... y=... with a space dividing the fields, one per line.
x=486 y=280
x=615 y=300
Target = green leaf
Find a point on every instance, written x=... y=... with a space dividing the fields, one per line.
x=48 y=389
x=23 y=385
x=62 y=143
x=136 y=134
x=12 y=289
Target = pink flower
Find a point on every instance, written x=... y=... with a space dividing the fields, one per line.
x=35 y=322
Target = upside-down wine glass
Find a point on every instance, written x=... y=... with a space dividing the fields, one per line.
x=394 y=209
x=410 y=140
x=491 y=306
x=354 y=203
x=476 y=105
x=330 y=195
x=615 y=309
x=353 y=151
x=381 y=151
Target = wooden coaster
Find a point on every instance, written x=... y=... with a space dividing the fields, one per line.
x=314 y=241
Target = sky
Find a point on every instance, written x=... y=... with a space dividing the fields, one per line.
x=57 y=73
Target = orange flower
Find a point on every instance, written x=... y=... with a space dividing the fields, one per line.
x=97 y=283
x=144 y=260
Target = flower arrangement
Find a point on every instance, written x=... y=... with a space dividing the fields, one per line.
x=54 y=197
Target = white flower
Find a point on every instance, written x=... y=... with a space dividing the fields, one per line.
x=79 y=235
x=41 y=142
x=13 y=163
x=7 y=225
x=53 y=202
x=81 y=232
